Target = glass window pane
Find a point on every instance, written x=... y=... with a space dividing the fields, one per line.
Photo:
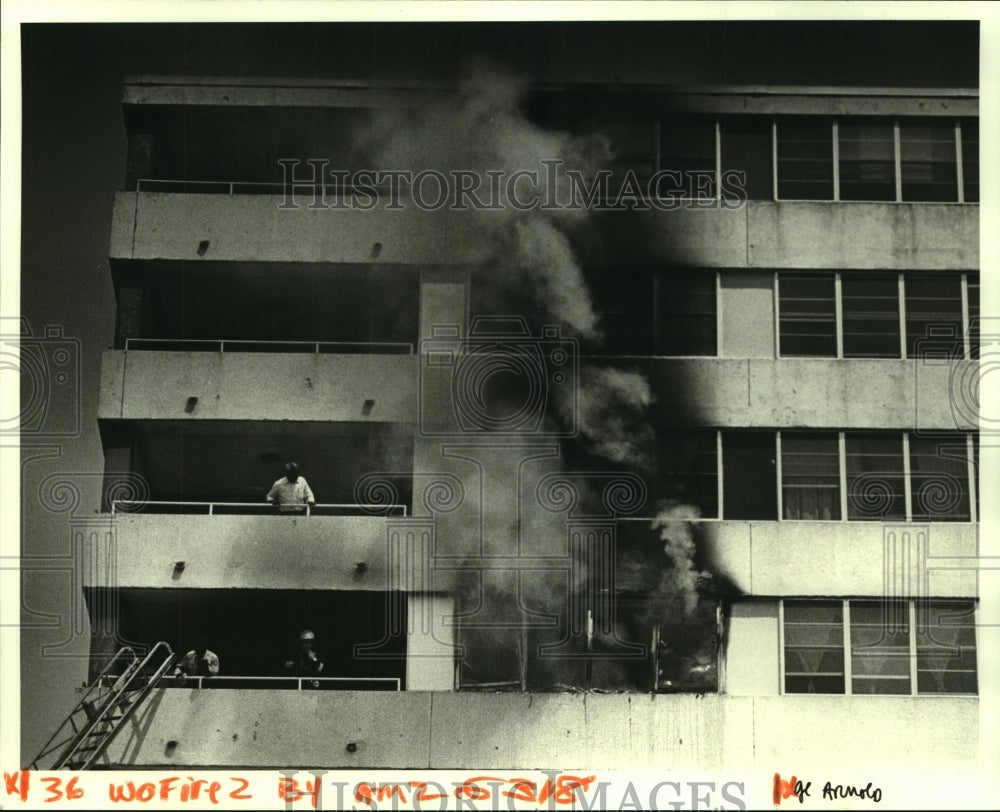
x=875 y=484
x=746 y=148
x=870 y=306
x=939 y=478
x=970 y=159
x=933 y=315
x=805 y=158
x=687 y=145
x=814 y=647
x=880 y=651
x=867 y=160
x=810 y=476
x=687 y=313
x=688 y=469
x=928 y=165
x=972 y=286
x=946 y=647
x=808 y=315
x=749 y=484
x=624 y=299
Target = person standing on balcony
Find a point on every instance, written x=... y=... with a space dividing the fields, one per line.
x=307 y=662
x=199 y=662
x=291 y=493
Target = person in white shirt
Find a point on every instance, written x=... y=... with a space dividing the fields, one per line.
x=199 y=662
x=291 y=493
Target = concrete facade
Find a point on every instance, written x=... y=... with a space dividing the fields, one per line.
x=469 y=489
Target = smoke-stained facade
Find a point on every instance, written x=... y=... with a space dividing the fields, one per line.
x=624 y=380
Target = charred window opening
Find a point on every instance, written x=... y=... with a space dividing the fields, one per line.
x=749 y=475
x=808 y=315
x=668 y=312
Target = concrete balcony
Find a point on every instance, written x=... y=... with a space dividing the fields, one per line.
x=227 y=728
x=759 y=234
x=247 y=552
x=764 y=393
x=838 y=559
x=258 y=386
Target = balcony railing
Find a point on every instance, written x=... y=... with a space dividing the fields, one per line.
x=253 y=508
x=250 y=345
x=236 y=187
x=289 y=683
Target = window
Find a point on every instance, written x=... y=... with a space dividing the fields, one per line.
x=880 y=653
x=808 y=315
x=970 y=159
x=810 y=476
x=814 y=647
x=825 y=641
x=749 y=483
x=876 y=487
x=870 y=304
x=805 y=158
x=746 y=148
x=867 y=160
x=689 y=463
x=644 y=312
x=933 y=315
x=939 y=479
x=972 y=296
x=685 y=323
x=912 y=160
x=928 y=160
x=880 y=475
x=946 y=648
x=856 y=314
x=687 y=145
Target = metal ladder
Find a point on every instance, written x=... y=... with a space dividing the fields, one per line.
x=103 y=709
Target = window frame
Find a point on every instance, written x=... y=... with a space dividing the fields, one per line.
x=966 y=280
x=916 y=626
x=835 y=120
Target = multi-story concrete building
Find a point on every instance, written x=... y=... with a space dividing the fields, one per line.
x=683 y=474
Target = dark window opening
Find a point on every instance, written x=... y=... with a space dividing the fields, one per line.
x=689 y=473
x=876 y=489
x=807 y=315
x=939 y=479
x=810 y=476
x=746 y=148
x=972 y=287
x=671 y=313
x=970 y=159
x=870 y=306
x=749 y=483
x=687 y=314
x=687 y=146
x=934 y=316
x=927 y=161
x=805 y=159
x=867 y=158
